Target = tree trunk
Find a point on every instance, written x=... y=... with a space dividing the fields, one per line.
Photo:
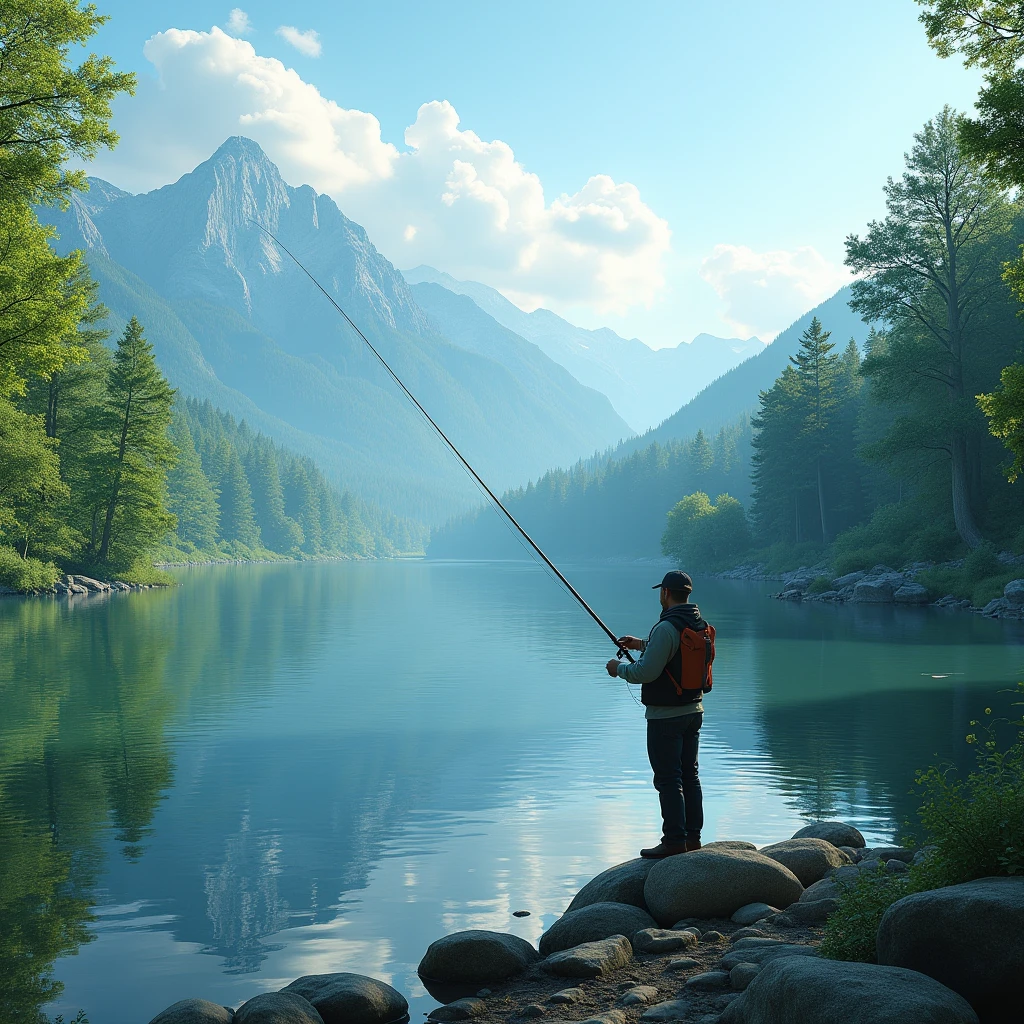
x=962 y=514
x=51 y=407
x=821 y=504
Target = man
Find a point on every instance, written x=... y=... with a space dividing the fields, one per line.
x=674 y=716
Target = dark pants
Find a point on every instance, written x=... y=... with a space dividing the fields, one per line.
x=672 y=747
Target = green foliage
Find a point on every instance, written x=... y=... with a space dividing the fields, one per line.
x=702 y=535
x=24 y=574
x=852 y=926
x=989 y=33
x=51 y=112
x=820 y=585
x=1004 y=407
x=981 y=578
x=146 y=573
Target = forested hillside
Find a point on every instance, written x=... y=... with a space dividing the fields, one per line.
x=233 y=320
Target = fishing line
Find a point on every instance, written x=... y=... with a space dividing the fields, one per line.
x=622 y=652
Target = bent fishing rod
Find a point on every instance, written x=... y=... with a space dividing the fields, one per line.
x=622 y=652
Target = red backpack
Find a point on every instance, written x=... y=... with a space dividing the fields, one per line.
x=696 y=653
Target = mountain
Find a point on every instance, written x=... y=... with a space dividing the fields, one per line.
x=233 y=320
x=643 y=384
x=735 y=393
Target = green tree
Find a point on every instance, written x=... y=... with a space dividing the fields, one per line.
x=191 y=498
x=702 y=457
x=1004 y=408
x=237 y=521
x=303 y=502
x=132 y=468
x=50 y=111
x=705 y=535
x=928 y=269
x=278 y=531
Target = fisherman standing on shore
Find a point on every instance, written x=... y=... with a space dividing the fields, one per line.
x=674 y=673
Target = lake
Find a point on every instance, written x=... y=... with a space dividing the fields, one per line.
x=279 y=770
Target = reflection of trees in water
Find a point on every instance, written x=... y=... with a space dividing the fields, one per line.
x=863 y=752
x=242 y=899
x=88 y=689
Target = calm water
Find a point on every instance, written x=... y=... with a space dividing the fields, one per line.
x=273 y=771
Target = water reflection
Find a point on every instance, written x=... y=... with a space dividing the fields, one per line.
x=277 y=770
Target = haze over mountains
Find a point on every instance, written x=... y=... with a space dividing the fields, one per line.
x=644 y=385
x=233 y=320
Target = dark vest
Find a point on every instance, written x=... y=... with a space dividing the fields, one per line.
x=662 y=691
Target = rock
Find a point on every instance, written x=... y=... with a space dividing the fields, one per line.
x=608 y=1017
x=483 y=993
x=782 y=921
x=852 y=855
x=851 y=579
x=594 y=922
x=623 y=883
x=995 y=607
x=911 y=593
x=659 y=940
x=567 y=995
x=716 y=883
x=742 y=975
x=684 y=963
x=762 y=951
x=729 y=844
x=887 y=853
x=748 y=933
x=684 y=926
x=819 y=991
x=461 y=1009
x=590 y=959
x=838 y=833
x=90 y=584
x=873 y=591
x=277 y=1008
x=808 y=858
x=712 y=937
x=791 y=595
x=476 y=957
x=895 y=867
x=194 y=1011
x=814 y=912
x=847 y=873
x=639 y=995
x=351 y=998
x=672 y=1009
x=970 y=937
x=709 y=981
x=533 y=1011
x=520 y=913
x=870 y=865
x=752 y=913
x=1013 y=593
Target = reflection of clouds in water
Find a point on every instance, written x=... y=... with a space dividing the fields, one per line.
x=242 y=899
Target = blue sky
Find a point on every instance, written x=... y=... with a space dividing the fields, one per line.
x=713 y=156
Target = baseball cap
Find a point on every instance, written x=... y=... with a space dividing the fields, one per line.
x=675 y=580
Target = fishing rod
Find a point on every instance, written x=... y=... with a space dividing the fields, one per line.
x=622 y=652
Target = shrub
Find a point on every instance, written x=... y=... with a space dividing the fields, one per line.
x=24 y=574
x=853 y=925
x=703 y=535
x=820 y=585
x=144 y=572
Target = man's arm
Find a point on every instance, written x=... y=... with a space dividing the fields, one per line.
x=655 y=657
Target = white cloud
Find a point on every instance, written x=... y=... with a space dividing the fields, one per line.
x=307 y=42
x=238 y=22
x=764 y=292
x=451 y=199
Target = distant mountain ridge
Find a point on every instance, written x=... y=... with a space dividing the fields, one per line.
x=644 y=385
x=233 y=320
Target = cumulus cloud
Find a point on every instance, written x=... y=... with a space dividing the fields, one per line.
x=764 y=292
x=451 y=198
x=238 y=22
x=307 y=42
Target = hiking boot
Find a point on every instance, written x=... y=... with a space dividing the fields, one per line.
x=663 y=850
x=692 y=844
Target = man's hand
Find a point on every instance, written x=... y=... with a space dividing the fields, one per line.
x=631 y=643
x=613 y=667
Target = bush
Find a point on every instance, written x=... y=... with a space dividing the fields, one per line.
x=852 y=927
x=25 y=574
x=703 y=535
x=974 y=825
x=144 y=572
x=820 y=585
x=981 y=578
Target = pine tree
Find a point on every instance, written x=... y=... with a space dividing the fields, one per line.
x=237 y=522
x=191 y=498
x=279 y=533
x=138 y=452
x=302 y=504
x=702 y=457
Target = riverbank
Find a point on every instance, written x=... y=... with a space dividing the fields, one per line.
x=75 y=585
x=699 y=937
x=911 y=586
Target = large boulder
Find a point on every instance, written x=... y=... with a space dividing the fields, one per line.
x=808 y=858
x=729 y=844
x=476 y=957
x=623 y=883
x=351 y=998
x=277 y=1008
x=755 y=950
x=911 y=593
x=1013 y=593
x=590 y=959
x=838 y=833
x=597 y=921
x=970 y=937
x=716 y=883
x=194 y=1011
x=873 y=591
x=812 y=990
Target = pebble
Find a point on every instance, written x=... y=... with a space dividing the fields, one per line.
x=567 y=995
x=747 y=933
x=684 y=963
x=742 y=975
x=533 y=1010
x=461 y=1009
x=672 y=1009
x=641 y=995
x=709 y=981
x=520 y=913
x=712 y=936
